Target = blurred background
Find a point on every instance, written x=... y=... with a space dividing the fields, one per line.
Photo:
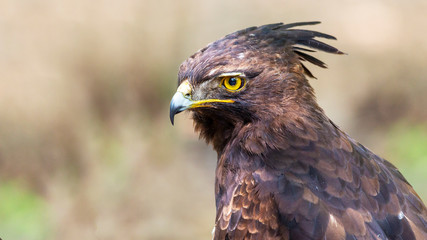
x=86 y=147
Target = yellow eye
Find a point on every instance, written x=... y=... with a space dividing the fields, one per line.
x=233 y=83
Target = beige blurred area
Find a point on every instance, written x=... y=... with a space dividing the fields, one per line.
x=86 y=147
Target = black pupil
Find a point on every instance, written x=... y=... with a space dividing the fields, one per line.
x=232 y=81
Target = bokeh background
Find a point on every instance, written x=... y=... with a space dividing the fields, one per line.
x=86 y=147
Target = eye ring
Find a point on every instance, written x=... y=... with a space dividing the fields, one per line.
x=233 y=83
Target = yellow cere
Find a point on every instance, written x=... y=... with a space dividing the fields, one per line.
x=233 y=83
x=184 y=88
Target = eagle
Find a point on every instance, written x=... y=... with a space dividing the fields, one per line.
x=284 y=169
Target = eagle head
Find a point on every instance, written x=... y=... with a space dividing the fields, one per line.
x=252 y=75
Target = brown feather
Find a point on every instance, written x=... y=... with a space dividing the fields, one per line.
x=284 y=170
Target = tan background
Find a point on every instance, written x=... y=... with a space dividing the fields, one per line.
x=86 y=147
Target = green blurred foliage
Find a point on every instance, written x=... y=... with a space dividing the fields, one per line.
x=23 y=213
x=407 y=148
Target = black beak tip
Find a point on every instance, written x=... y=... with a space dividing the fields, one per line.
x=172 y=113
x=172 y=117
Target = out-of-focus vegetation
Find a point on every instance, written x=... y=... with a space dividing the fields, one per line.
x=407 y=145
x=23 y=213
x=86 y=147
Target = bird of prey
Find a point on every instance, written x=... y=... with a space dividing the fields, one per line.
x=284 y=169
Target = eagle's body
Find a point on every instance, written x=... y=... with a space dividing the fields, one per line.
x=285 y=171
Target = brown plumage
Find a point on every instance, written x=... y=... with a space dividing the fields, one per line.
x=284 y=170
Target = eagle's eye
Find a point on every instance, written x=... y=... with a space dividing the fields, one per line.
x=233 y=83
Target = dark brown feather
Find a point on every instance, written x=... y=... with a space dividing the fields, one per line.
x=284 y=170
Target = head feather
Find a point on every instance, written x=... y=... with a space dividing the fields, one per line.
x=295 y=37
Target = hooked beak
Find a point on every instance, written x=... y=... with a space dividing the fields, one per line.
x=182 y=101
x=179 y=103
